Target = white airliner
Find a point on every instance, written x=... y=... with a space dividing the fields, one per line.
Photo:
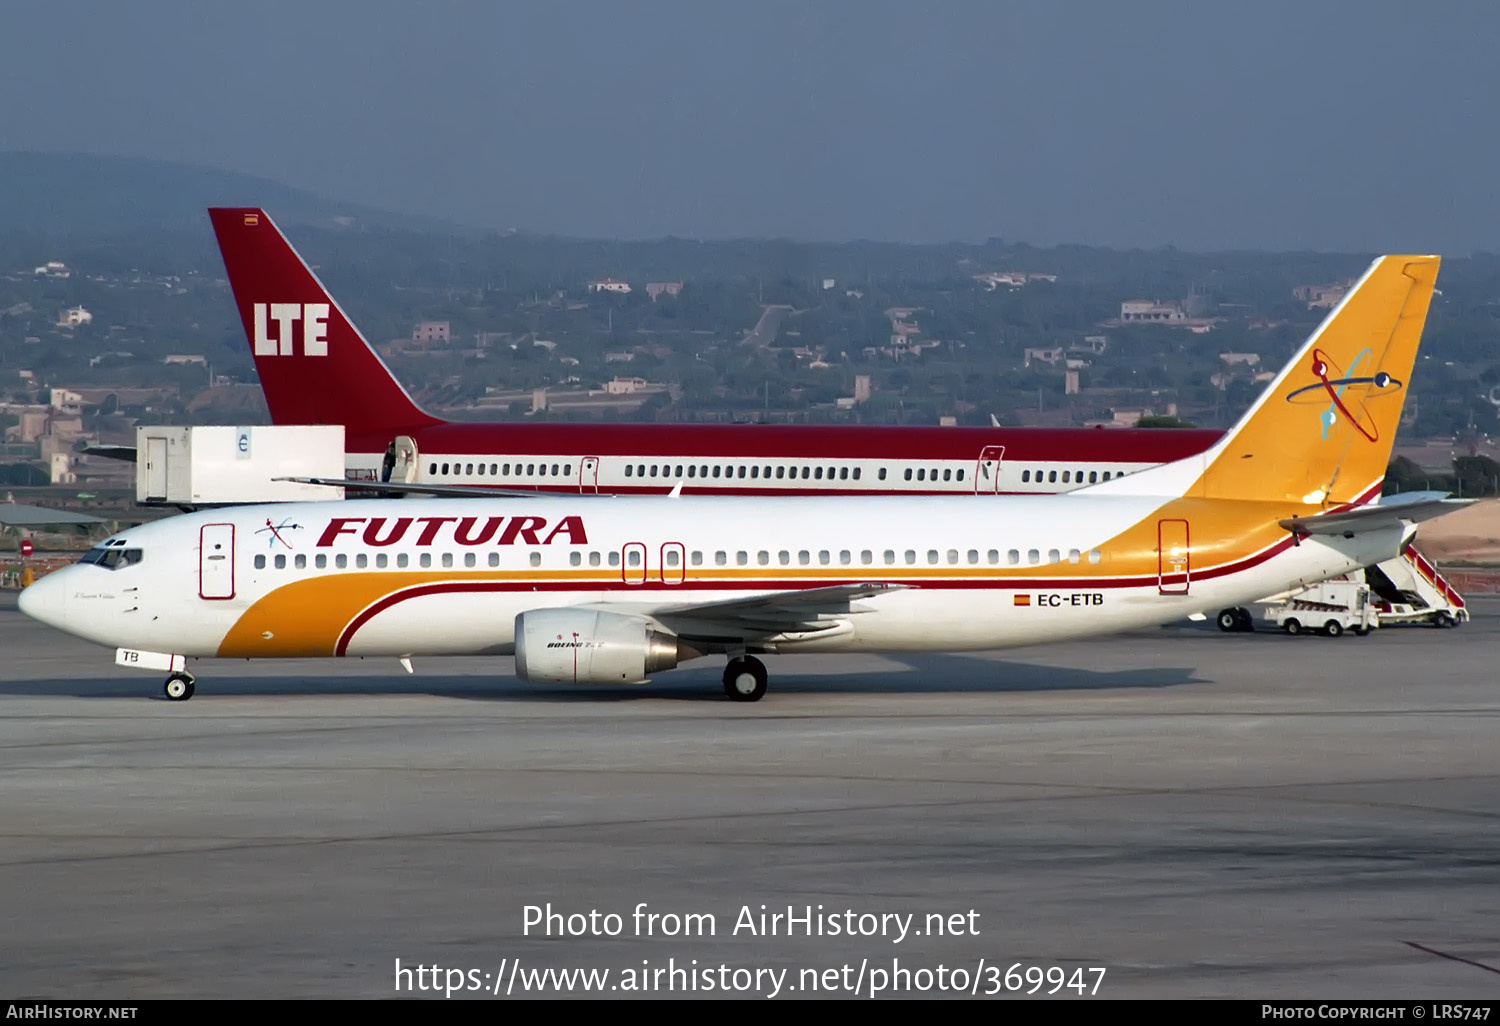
x=608 y=590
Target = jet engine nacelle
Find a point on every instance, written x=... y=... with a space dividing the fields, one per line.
x=585 y=646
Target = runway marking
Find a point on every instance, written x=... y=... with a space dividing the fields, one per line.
x=1456 y=958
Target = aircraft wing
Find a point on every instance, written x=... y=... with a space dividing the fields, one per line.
x=779 y=612
x=1392 y=511
x=450 y=491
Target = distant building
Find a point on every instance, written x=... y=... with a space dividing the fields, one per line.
x=861 y=388
x=1048 y=355
x=74 y=317
x=61 y=466
x=1010 y=279
x=828 y=283
x=656 y=288
x=54 y=269
x=609 y=285
x=202 y=361
x=431 y=331
x=1070 y=382
x=1323 y=296
x=1148 y=310
x=625 y=386
x=65 y=399
x=1248 y=359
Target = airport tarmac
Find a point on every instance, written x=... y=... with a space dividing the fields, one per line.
x=1200 y=814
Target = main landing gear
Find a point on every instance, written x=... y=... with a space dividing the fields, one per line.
x=179 y=687
x=1237 y=619
x=745 y=679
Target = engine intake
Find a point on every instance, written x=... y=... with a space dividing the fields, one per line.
x=585 y=646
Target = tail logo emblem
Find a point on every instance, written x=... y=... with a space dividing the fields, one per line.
x=312 y=316
x=273 y=532
x=1347 y=394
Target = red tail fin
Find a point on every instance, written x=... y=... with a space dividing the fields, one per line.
x=314 y=365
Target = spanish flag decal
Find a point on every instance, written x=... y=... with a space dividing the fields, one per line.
x=1021 y=600
x=252 y=219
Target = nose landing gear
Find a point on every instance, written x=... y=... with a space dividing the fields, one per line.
x=179 y=687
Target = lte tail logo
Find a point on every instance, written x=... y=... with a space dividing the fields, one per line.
x=314 y=318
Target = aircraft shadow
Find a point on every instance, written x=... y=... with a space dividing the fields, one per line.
x=925 y=674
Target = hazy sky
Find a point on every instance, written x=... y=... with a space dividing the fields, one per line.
x=1327 y=125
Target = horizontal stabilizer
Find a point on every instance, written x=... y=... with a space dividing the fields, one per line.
x=1394 y=510
x=112 y=452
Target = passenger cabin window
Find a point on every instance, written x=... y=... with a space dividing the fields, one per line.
x=1025 y=477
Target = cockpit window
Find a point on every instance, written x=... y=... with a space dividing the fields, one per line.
x=111 y=558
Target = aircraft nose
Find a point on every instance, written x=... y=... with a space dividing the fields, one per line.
x=46 y=600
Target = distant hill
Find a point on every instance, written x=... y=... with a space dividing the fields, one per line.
x=77 y=193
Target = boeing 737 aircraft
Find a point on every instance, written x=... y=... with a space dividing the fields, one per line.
x=609 y=591
x=316 y=368
x=330 y=374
